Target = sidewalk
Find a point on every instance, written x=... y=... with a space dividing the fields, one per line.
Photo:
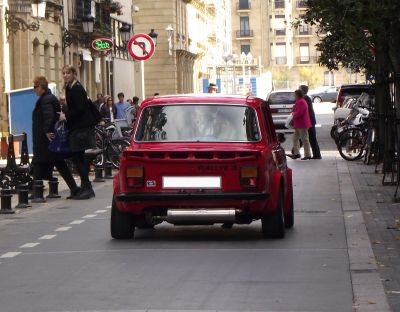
x=382 y=219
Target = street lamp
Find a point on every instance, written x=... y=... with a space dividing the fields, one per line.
x=87 y=24
x=170 y=32
x=14 y=23
x=153 y=35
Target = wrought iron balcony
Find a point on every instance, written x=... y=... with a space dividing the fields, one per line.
x=279 y=4
x=301 y=4
x=306 y=60
x=304 y=30
x=281 y=60
x=243 y=6
x=244 y=33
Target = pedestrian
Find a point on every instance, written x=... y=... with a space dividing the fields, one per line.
x=81 y=122
x=301 y=124
x=44 y=117
x=109 y=110
x=212 y=88
x=99 y=101
x=312 y=133
x=121 y=106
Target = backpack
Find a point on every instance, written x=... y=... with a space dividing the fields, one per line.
x=95 y=112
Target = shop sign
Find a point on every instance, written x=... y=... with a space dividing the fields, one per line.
x=102 y=44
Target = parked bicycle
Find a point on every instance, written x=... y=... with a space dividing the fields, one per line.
x=110 y=139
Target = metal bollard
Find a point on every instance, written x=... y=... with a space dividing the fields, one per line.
x=98 y=173
x=108 y=170
x=38 y=188
x=6 y=196
x=23 y=193
x=53 y=188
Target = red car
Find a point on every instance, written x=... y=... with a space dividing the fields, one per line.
x=203 y=159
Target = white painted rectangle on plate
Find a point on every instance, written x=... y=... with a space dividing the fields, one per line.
x=192 y=182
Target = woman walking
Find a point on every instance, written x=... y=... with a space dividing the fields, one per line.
x=81 y=124
x=301 y=123
x=44 y=117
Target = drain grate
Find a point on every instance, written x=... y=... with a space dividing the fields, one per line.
x=360 y=271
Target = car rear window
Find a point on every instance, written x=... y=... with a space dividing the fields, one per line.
x=281 y=98
x=198 y=123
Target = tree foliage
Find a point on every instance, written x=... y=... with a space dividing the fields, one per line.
x=355 y=30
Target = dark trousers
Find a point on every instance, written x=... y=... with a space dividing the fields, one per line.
x=82 y=166
x=44 y=171
x=312 y=136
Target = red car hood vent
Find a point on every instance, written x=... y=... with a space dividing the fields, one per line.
x=192 y=155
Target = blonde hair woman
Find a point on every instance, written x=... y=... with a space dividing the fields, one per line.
x=81 y=124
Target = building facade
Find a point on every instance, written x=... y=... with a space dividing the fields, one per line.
x=265 y=30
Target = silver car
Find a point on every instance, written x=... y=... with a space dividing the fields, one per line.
x=281 y=103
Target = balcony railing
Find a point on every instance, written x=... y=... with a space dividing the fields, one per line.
x=244 y=33
x=280 y=32
x=279 y=4
x=281 y=60
x=301 y=4
x=304 y=31
x=306 y=60
x=243 y=6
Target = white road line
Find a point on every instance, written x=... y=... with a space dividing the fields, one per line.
x=29 y=245
x=63 y=228
x=10 y=254
x=100 y=211
x=77 y=222
x=48 y=236
x=89 y=216
x=108 y=207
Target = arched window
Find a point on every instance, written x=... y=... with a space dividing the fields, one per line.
x=36 y=57
x=57 y=69
x=47 y=60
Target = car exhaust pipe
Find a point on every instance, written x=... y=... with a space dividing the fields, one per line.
x=200 y=216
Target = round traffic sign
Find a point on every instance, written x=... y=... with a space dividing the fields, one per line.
x=141 y=47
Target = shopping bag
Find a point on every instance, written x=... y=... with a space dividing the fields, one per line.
x=60 y=142
x=289 y=121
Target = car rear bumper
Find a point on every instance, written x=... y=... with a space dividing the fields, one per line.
x=128 y=197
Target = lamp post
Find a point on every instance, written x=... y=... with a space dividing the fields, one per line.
x=14 y=23
x=124 y=36
x=170 y=32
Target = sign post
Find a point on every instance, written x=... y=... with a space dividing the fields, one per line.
x=141 y=47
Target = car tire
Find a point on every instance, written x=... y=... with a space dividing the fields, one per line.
x=289 y=217
x=122 y=224
x=317 y=99
x=273 y=225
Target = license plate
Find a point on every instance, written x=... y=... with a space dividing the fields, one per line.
x=192 y=182
x=284 y=110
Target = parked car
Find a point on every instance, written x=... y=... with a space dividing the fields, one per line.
x=281 y=103
x=328 y=94
x=200 y=160
x=353 y=90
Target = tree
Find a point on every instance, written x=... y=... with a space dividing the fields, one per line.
x=365 y=36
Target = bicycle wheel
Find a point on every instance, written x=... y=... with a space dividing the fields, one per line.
x=99 y=160
x=351 y=145
x=115 y=149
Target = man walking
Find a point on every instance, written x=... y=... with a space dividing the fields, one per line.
x=312 y=134
x=121 y=106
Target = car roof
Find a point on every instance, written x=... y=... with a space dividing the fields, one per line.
x=204 y=98
x=357 y=86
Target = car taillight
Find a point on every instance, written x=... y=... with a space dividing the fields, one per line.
x=249 y=176
x=134 y=176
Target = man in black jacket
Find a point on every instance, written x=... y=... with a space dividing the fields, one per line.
x=312 y=135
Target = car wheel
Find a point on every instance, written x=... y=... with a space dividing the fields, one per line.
x=122 y=224
x=289 y=217
x=273 y=225
x=317 y=99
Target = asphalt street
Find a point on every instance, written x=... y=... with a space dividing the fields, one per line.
x=59 y=256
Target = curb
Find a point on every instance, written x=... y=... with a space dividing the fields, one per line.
x=368 y=291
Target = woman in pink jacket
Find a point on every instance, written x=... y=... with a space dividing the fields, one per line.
x=301 y=123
